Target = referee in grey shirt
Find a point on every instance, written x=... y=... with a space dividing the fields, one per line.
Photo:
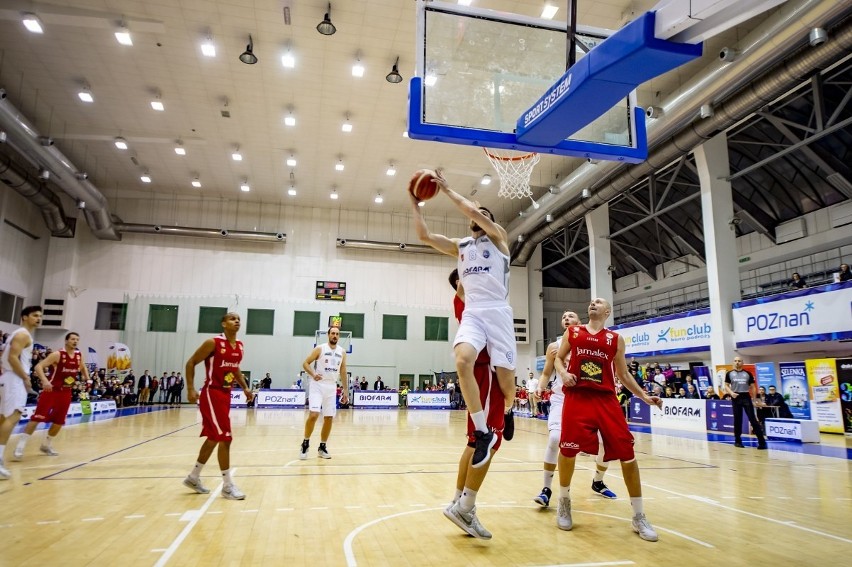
x=740 y=385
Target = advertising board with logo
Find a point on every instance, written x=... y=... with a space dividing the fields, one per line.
x=825 y=394
x=794 y=388
x=673 y=334
x=429 y=400
x=844 y=375
x=280 y=399
x=799 y=316
x=683 y=414
x=720 y=416
x=765 y=374
x=640 y=412
x=806 y=431
x=372 y=400
x=238 y=398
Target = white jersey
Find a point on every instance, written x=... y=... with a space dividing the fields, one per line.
x=557 y=398
x=328 y=363
x=484 y=272
x=26 y=357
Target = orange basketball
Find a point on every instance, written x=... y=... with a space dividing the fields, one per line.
x=422 y=184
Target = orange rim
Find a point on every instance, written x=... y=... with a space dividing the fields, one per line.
x=501 y=158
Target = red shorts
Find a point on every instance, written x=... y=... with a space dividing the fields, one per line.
x=492 y=400
x=584 y=413
x=52 y=406
x=215 y=406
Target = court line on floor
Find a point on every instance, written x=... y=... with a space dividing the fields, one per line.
x=350 y=537
x=193 y=519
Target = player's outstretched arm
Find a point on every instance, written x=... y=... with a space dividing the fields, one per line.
x=470 y=209
x=439 y=242
x=201 y=354
x=52 y=358
x=306 y=366
x=549 y=367
x=627 y=379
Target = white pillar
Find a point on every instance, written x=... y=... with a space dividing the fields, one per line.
x=720 y=246
x=600 y=256
x=536 y=301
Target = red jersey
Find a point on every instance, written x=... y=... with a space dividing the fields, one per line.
x=65 y=372
x=458 y=307
x=222 y=366
x=592 y=358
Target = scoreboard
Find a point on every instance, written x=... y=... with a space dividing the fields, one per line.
x=334 y=291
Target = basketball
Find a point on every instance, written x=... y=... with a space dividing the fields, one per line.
x=422 y=184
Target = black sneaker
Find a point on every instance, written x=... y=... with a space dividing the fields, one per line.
x=739 y=444
x=762 y=446
x=602 y=489
x=482 y=449
x=509 y=425
x=303 y=454
x=543 y=499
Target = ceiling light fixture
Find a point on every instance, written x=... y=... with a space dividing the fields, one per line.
x=248 y=57
x=430 y=80
x=157 y=104
x=145 y=178
x=121 y=143
x=405 y=133
x=289 y=120
x=347 y=126
x=486 y=180
x=236 y=155
x=85 y=94
x=357 y=68
x=391 y=170
x=334 y=194
x=394 y=76
x=549 y=11
x=379 y=199
x=339 y=165
x=287 y=60
x=208 y=48
x=179 y=149
x=244 y=186
x=291 y=161
x=464 y=2
x=325 y=27
x=32 y=22
x=122 y=35
x=291 y=191
x=421 y=203
x=196 y=183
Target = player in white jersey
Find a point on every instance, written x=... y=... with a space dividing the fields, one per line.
x=326 y=364
x=483 y=264
x=550 y=379
x=15 y=383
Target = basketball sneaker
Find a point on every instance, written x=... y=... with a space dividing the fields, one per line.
x=18 y=454
x=467 y=521
x=642 y=526
x=49 y=451
x=482 y=448
x=543 y=499
x=232 y=492
x=303 y=454
x=563 y=514
x=4 y=473
x=322 y=452
x=195 y=484
x=602 y=489
x=509 y=425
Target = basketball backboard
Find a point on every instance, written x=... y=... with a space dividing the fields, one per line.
x=345 y=341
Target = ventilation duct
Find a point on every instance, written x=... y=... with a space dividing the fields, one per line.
x=36 y=191
x=385 y=246
x=674 y=135
x=220 y=233
x=41 y=153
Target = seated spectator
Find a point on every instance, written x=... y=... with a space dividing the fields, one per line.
x=844 y=275
x=692 y=392
x=797 y=281
x=658 y=376
x=669 y=374
x=681 y=393
x=690 y=381
x=773 y=398
x=711 y=394
x=659 y=392
x=670 y=392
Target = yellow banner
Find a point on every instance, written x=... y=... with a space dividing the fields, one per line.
x=824 y=390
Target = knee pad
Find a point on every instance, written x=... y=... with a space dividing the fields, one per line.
x=552 y=452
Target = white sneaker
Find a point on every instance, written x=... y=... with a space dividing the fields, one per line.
x=563 y=514
x=18 y=454
x=232 y=492
x=4 y=473
x=195 y=484
x=303 y=452
x=467 y=521
x=48 y=451
x=323 y=452
x=642 y=526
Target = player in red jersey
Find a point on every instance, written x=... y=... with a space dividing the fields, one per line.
x=221 y=356
x=462 y=510
x=597 y=356
x=55 y=399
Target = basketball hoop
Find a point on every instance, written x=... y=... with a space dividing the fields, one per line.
x=514 y=172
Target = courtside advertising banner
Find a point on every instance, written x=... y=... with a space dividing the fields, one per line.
x=238 y=398
x=794 y=388
x=680 y=414
x=844 y=375
x=429 y=400
x=119 y=360
x=673 y=334
x=765 y=374
x=640 y=412
x=280 y=399
x=799 y=316
x=825 y=394
x=371 y=400
x=720 y=415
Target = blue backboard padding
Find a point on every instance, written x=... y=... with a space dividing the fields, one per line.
x=419 y=130
x=600 y=80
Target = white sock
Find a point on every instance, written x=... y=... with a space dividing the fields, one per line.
x=196 y=470
x=599 y=474
x=48 y=441
x=2 y=450
x=548 y=478
x=565 y=492
x=226 y=477
x=457 y=495
x=478 y=419
x=467 y=500
x=22 y=442
x=637 y=505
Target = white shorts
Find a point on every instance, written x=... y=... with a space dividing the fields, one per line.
x=492 y=328
x=554 y=418
x=322 y=396
x=13 y=394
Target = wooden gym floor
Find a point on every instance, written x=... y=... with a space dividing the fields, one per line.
x=114 y=497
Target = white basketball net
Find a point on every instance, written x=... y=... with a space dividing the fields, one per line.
x=514 y=172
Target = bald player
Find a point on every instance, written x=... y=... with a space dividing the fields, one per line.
x=590 y=407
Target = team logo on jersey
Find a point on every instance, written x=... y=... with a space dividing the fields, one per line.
x=69 y=380
x=222 y=351
x=486 y=254
x=510 y=355
x=471 y=255
x=229 y=377
x=591 y=371
x=609 y=337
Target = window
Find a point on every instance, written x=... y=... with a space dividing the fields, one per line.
x=210 y=319
x=162 y=318
x=353 y=322
x=306 y=323
x=10 y=307
x=260 y=322
x=394 y=327
x=111 y=316
x=437 y=328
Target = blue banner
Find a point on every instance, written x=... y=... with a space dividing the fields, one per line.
x=794 y=388
x=640 y=412
x=720 y=416
x=702 y=374
x=766 y=374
